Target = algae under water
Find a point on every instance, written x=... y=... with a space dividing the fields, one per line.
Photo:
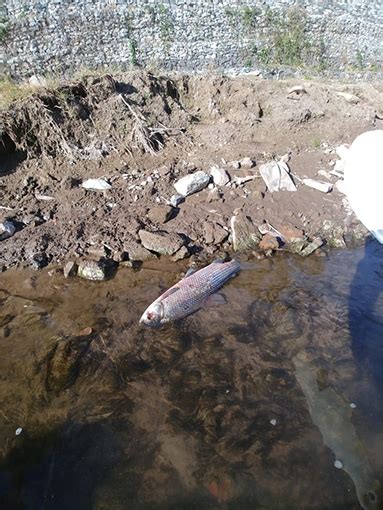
x=243 y=406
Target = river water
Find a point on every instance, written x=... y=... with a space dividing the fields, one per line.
x=273 y=400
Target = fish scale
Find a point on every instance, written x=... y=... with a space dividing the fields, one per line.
x=191 y=293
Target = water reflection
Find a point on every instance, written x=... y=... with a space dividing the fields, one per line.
x=206 y=413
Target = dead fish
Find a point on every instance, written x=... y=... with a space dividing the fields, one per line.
x=190 y=294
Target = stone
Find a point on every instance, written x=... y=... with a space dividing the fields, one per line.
x=245 y=235
x=136 y=252
x=38 y=261
x=277 y=176
x=214 y=233
x=324 y=187
x=291 y=234
x=338 y=464
x=192 y=183
x=161 y=242
x=268 y=242
x=7 y=229
x=350 y=98
x=96 y=184
x=70 y=269
x=160 y=213
x=181 y=254
x=37 y=81
x=314 y=245
x=220 y=176
x=297 y=90
x=247 y=163
x=342 y=151
x=176 y=200
x=91 y=270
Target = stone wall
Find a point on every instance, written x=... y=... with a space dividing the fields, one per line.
x=61 y=36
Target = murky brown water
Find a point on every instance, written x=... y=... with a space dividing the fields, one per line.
x=243 y=406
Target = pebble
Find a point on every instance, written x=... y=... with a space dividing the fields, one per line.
x=18 y=431
x=91 y=270
x=219 y=175
x=175 y=200
x=96 y=184
x=192 y=183
x=352 y=405
x=338 y=464
x=273 y=422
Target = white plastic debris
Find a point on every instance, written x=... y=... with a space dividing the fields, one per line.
x=18 y=431
x=219 y=175
x=277 y=176
x=342 y=151
x=96 y=184
x=338 y=464
x=324 y=187
x=192 y=183
x=363 y=180
x=7 y=229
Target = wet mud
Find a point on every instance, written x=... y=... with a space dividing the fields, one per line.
x=212 y=412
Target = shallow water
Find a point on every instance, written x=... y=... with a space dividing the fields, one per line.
x=241 y=406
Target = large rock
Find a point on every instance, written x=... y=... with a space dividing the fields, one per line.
x=161 y=242
x=192 y=183
x=245 y=234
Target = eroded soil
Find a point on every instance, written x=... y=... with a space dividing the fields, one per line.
x=142 y=133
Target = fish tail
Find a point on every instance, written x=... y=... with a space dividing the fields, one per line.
x=225 y=272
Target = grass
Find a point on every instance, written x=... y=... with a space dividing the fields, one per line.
x=11 y=91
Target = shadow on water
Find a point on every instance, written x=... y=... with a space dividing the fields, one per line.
x=239 y=407
x=366 y=326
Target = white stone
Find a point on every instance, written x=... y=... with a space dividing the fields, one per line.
x=273 y=422
x=324 y=187
x=352 y=405
x=350 y=98
x=18 y=431
x=96 y=184
x=192 y=183
x=277 y=176
x=219 y=175
x=338 y=464
x=7 y=229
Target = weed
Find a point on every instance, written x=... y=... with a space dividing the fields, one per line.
x=165 y=23
x=316 y=143
x=4 y=28
x=249 y=17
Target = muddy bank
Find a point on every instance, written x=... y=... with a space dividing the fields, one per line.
x=142 y=133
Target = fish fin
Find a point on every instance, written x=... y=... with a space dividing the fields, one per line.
x=169 y=292
x=216 y=300
x=189 y=272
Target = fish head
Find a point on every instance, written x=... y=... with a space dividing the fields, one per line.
x=153 y=315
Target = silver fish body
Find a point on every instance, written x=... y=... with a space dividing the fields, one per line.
x=190 y=294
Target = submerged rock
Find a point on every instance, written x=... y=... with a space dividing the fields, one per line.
x=314 y=245
x=70 y=269
x=245 y=234
x=91 y=270
x=161 y=242
x=192 y=183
